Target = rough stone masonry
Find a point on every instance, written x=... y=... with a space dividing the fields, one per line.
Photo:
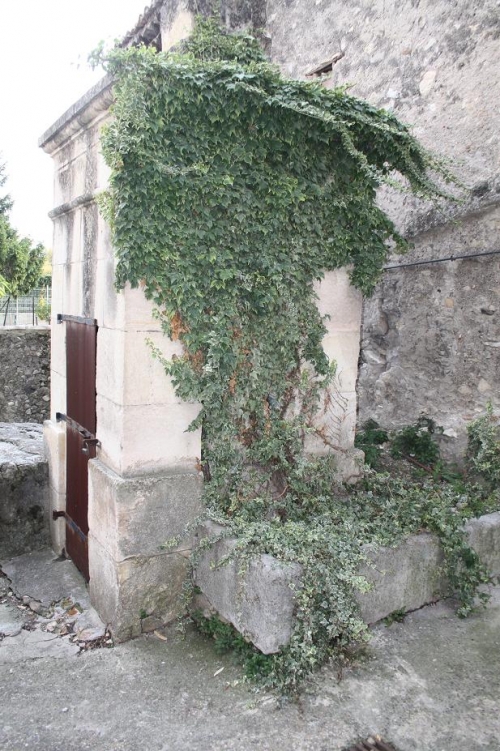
x=25 y=374
x=431 y=334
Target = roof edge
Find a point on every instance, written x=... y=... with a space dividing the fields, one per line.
x=100 y=96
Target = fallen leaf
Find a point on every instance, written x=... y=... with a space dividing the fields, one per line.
x=160 y=636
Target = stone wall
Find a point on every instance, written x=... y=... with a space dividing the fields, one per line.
x=431 y=334
x=432 y=62
x=24 y=374
x=23 y=489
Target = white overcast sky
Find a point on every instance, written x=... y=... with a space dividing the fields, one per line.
x=43 y=51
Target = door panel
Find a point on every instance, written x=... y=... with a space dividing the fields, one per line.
x=81 y=341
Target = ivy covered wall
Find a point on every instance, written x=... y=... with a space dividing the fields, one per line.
x=430 y=334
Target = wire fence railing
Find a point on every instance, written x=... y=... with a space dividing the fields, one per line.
x=28 y=310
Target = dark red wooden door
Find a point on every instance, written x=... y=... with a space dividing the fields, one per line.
x=81 y=342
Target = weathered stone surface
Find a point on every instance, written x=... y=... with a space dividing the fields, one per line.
x=23 y=489
x=11 y=621
x=428 y=345
x=402 y=578
x=484 y=537
x=136 y=515
x=124 y=591
x=44 y=577
x=260 y=604
x=434 y=66
x=54 y=435
x=30 y=645
x=25 y=373
x=21 y=443
x=52 y=588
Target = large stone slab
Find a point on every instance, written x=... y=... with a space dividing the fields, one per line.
x=44 y=577
x=484 y=537
x=132 y=516
x=402 y=578
x=33 y=645
x=260 y=601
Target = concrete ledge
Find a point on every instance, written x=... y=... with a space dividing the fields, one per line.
x=260 y=602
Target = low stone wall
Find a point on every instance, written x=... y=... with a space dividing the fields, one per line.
x=25 y=374
x=23 y=489
x=260 y=603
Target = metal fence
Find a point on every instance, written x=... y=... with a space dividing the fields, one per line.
x=25 y=311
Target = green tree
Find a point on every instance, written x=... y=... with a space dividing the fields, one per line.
x=20 y=260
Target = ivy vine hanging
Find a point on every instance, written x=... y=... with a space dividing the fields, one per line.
x=232 y=191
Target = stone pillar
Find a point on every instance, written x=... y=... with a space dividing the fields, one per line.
x=342 y=305
x=144 y=485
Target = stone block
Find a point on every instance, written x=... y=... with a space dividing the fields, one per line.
x=73 y=289
x=60 y=244
x=260 y=602
x=178 y=28
x=484 y=537
x=339 y=300
x=145 y=379
x=127 y=372
x=54 y=439
x=123 y=592
x=147 y=438
x=103 y=171
x=57 y=527
x=138 y=311
x=75 y=244
x=337 y=422
x=402 y=578
x=57 y=394
x=342 y=347
x=58 y=346
x=58 y=271
x=135 y=516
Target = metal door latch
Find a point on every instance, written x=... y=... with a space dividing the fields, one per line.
x=87 y=442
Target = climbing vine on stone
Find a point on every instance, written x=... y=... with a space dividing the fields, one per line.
x=232 y=191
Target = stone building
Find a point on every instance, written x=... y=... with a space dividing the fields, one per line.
x=124 y=473
x=431 y=334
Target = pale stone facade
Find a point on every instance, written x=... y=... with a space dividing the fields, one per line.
x=144 y=485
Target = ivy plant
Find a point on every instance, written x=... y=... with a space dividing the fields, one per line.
x=232 y=191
